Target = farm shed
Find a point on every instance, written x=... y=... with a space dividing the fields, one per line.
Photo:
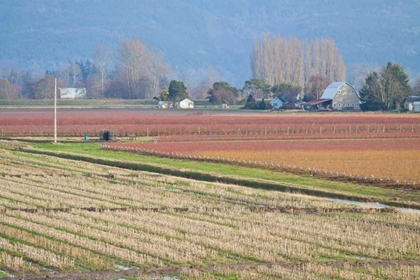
x=337 y=96
x=317 y=104
x=185 y=104
x=72 y=93
x=412 y=103
x=107 y=135
x=163 y=105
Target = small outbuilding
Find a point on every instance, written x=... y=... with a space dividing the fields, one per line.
x=107 y=135
x=72 y=93
x=185 y=104
x=412 y=103
x=163 y=105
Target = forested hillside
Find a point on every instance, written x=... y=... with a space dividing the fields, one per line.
x=195 y=35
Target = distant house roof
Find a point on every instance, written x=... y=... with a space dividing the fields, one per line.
x=412 y=98
x=278 y=98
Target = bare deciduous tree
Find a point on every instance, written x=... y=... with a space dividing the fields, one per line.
x=102 y=56
x=7 y=90
x=44 y=88
x=134 y=58
x=158 y=70
x=315 y=86
x=358 y=72
x=200 y=91
x=141 y=70
x=415 y=90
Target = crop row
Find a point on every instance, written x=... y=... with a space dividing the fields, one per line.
x=231 y=132
x=99 y=117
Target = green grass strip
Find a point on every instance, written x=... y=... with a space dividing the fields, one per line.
x=214 y=172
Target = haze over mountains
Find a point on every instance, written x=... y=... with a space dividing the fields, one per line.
x=37 y=35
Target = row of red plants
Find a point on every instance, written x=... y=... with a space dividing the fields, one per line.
x=230 y=126
x=97 y=117
x=285 y=145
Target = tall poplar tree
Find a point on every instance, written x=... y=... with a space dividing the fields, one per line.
x=102 y=56
x=276 y=60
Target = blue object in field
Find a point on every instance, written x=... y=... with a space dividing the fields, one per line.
x=86 y=138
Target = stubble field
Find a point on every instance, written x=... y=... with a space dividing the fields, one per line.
x=84 y=221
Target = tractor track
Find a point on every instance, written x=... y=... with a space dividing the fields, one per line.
x=288 y=210
x=165 y=271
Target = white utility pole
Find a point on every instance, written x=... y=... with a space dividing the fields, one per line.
x=55 y=110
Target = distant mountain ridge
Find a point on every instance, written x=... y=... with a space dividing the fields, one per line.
x=198 y=34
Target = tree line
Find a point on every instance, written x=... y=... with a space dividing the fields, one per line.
x=135 y=72
x=278 y=60
x=289 y=68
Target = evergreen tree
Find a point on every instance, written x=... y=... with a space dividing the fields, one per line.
x=386 y=89
x=257 y=88
x=251 y=103
x=262 y=105
x=177 y=91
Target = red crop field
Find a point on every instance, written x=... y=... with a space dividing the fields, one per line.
x=360 y=145
x=181 y=125
x=390 y=160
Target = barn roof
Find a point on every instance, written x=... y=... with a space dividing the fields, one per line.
x=331 y=90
